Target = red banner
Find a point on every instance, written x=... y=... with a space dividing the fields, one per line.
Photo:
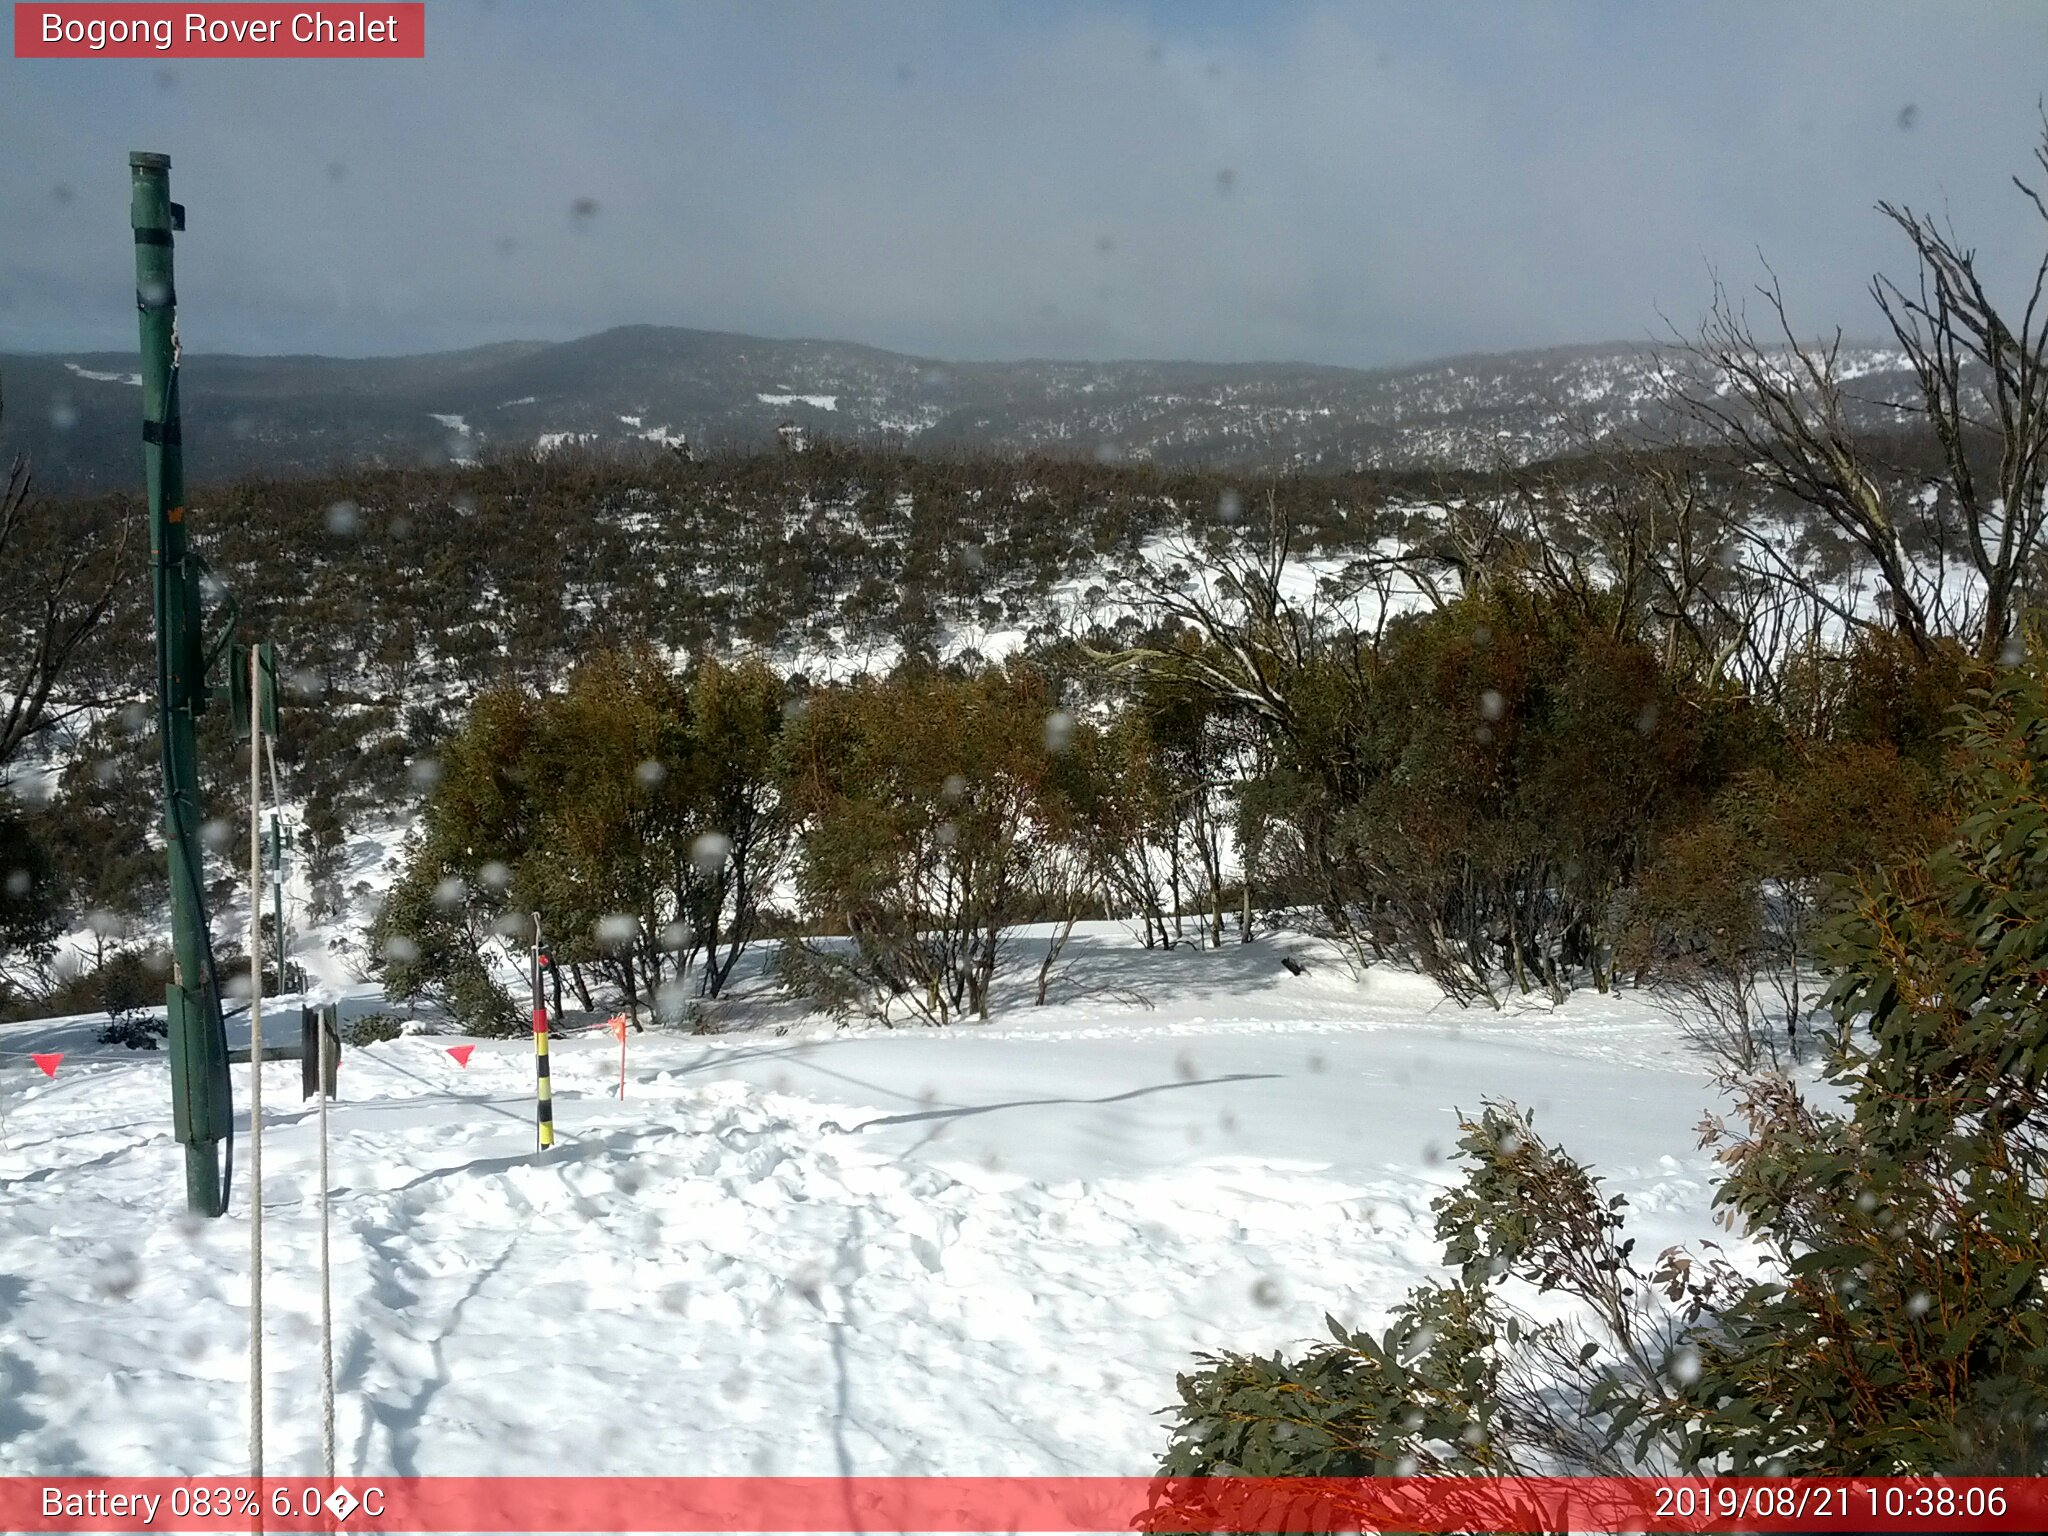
x=98 y=30
x=1052 y=1504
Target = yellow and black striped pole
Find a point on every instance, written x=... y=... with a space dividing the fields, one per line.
x=544 y=1099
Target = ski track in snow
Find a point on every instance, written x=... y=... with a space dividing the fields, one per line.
x=986 y=1250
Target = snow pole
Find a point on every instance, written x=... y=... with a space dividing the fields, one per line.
x=328 y=1040
x=543 y=1092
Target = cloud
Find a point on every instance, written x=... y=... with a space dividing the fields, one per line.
x=1326 y=182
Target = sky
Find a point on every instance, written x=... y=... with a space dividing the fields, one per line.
x=1354 y=183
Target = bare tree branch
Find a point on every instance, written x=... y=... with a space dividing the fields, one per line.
x=57 y=585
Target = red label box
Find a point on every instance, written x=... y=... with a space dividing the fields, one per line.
x=97 y=29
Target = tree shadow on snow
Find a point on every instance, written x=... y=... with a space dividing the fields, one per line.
x=960 y=1112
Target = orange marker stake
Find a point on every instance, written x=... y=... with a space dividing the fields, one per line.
x=617 y=1025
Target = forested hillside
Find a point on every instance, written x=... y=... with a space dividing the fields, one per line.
x=728 y=393
x=1232 y=655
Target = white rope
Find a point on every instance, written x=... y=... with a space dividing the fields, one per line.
x=326 y=1275
x=255 y=1072
x=325 y=1059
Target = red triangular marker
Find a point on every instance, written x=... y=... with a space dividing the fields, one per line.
x=48 y=1063
x=461 y=1054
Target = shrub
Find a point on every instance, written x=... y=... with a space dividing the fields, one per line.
x=929 y=806
x=29 y=890
x=371 y=1029
x=123 y=987
x=1513 y=760
x=1896 y=1322
x=430 y=946
x=132 y=1027
x=1464 y=1380
x=1723 y=919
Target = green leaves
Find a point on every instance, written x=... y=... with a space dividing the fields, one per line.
x=591 y=807
x=934 y=815
x=1898 y=1324
x=1423 y=1399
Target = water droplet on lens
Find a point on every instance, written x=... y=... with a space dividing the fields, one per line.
x=710 y=852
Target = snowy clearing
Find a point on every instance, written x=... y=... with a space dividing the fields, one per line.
x=978 y=1251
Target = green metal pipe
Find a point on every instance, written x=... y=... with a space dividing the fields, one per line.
x=201 y=1108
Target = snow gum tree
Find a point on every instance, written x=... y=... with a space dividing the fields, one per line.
x=736 y=797
x=637 y=813
x=927 y=801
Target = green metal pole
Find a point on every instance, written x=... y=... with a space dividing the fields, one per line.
x=201 y=1108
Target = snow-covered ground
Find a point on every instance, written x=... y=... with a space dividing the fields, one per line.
x=982 y=1250
x=816 y=402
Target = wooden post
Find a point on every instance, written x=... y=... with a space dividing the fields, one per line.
x=319 y=1050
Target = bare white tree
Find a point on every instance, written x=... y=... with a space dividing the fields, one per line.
x=1983 y=379
x=1782 y=408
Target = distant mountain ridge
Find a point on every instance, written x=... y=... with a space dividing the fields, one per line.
x=78 y=414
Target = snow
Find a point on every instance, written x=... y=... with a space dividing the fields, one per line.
x=548 y=442
x=460 y=440
x=821 y=402
x=983 y=1250
x=105 y=378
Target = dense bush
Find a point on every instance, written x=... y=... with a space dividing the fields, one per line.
x=371 y=1029
x=29 y=894
x=1723 y=917
x=1896 y=1323
x=933 y=822
x=1517 y=763
x=127 y=986
x=637 y=813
